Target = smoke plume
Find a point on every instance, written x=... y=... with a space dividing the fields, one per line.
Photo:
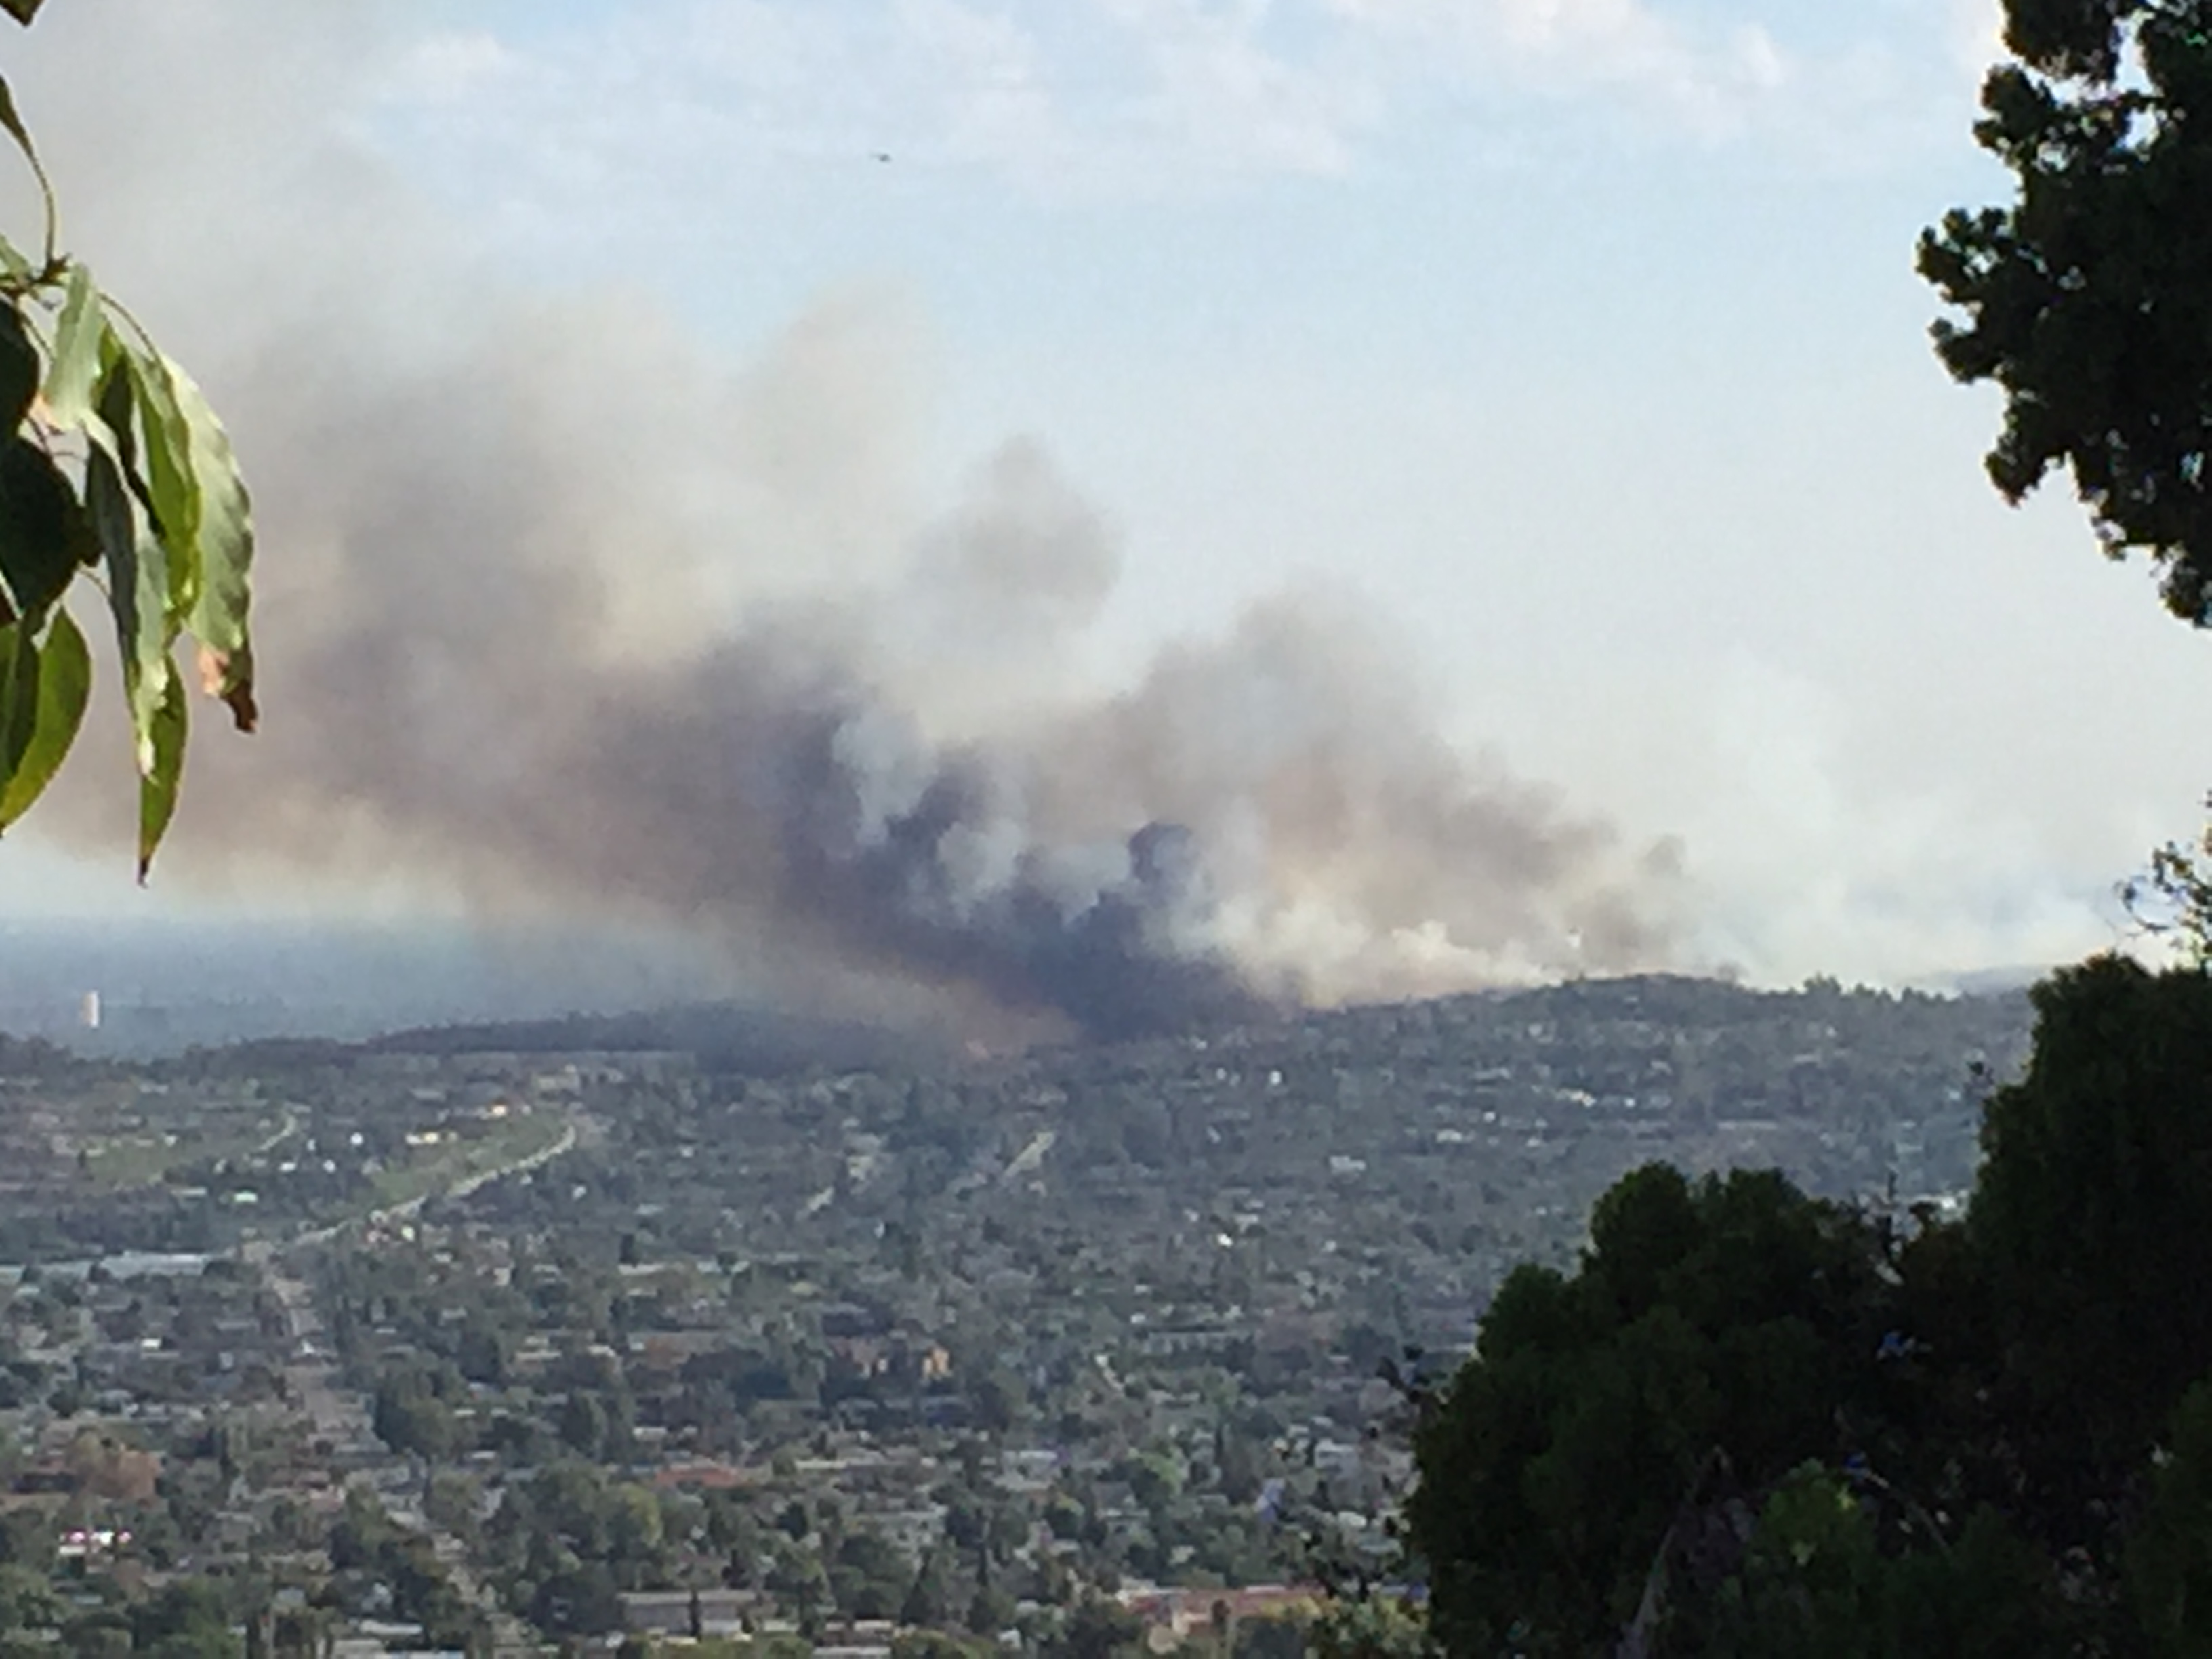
x=559 y=621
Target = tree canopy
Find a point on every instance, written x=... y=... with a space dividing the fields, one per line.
x=1755 y=1422
x=2088 y=300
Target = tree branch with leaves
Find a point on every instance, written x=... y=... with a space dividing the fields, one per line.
x=2088 y=298
x=116 y=476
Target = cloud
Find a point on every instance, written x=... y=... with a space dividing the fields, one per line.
x=1093 y=100
x=1217 y=86
x=1710 y=82
x=1123 y=99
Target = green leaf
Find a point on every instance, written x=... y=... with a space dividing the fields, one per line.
x=20 y=368
x=22 y=10
x=158 y=788
x=113 y=422
x=13 y=123
x=82 y=338
x=206 y=516
x=65 y=686
x=137 y=593
x=19 y=694
x=43 y=535
x=173 y=488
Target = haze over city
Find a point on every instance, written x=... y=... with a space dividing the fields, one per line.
x=1032 y=512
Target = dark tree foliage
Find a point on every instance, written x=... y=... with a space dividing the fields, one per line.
x=1716 y=1334
x=1816 y=1583
x=2169 y=1555
x=1754 y=1423
x=2089 y=298
x=1098 y=1629
x=2092 y=1220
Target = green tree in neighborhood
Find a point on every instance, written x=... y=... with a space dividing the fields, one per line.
x=937 y=1645
x=188 y=1619
x=1816 y=1583
x=1379 y=1627
x=28 y=1602
x=1098 y=1629
x=1713 y=1337
x=1755 y=1423
x=2089 y=1222
x=2169 y=1557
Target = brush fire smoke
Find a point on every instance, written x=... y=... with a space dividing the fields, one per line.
x=557 y=620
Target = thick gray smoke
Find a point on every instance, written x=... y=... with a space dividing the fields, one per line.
x=557 y=621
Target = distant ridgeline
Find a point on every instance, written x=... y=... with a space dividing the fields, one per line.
x=1504 y=1115
x=719 y=1037
x=1750 y=1052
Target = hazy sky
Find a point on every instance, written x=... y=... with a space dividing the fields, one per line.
x=1575 y=344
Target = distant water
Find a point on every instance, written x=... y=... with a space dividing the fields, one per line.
x=163 y=986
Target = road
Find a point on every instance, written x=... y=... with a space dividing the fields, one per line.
x=285 y=1132
x=343 y=1420
x=461 y=1189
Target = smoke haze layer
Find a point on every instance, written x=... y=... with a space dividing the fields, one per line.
x=558 y=621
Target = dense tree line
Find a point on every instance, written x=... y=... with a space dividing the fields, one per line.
x=1754 y=1422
